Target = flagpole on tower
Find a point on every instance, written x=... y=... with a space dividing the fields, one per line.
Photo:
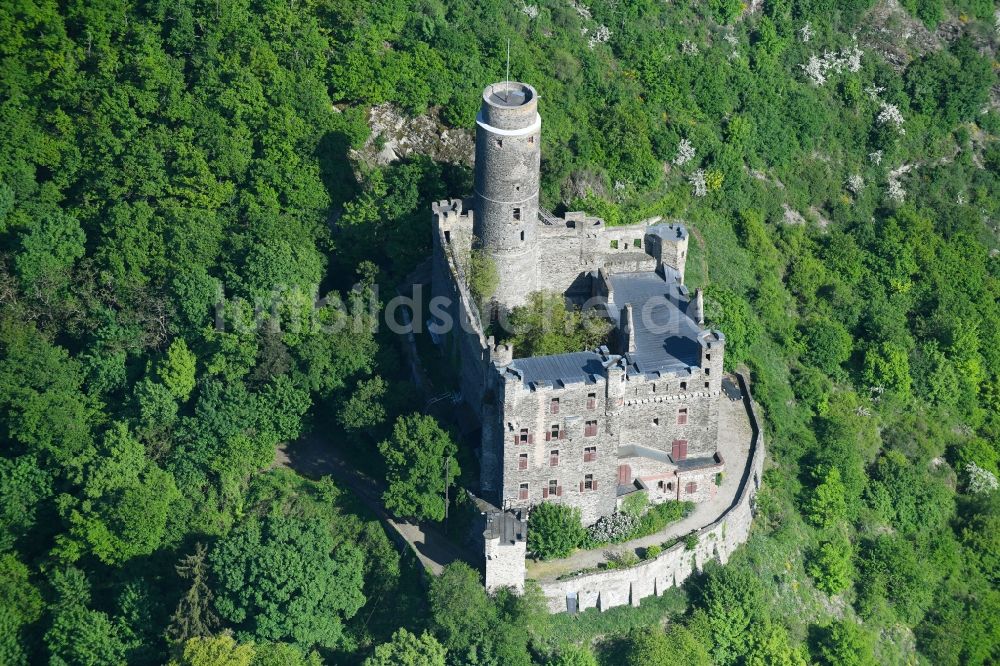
x=506 y=83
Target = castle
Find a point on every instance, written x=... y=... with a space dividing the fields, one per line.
x=590 y=427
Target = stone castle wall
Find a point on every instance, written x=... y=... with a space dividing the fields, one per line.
x=463 y=331
x=619 y=587
x=572 y=247
x=524 y=408
x=626 y=412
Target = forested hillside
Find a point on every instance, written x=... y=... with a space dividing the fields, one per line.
x=179 y=188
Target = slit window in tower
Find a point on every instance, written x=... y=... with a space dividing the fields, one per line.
x=499 y=143
x=517 y=214
x=522 y=236
x=531 y=139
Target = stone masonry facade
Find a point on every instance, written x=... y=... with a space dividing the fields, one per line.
x=590 y=427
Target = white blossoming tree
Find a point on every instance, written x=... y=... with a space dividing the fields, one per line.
x=818 y=68
x=855 y=183
x=685 y=152
x=697 y=180
x=895 y=191
x=807 y=32
x=600 y=36
x=889 y=114
x=981 y=481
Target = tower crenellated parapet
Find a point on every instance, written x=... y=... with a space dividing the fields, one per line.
x=668 y=243
x=501 y=354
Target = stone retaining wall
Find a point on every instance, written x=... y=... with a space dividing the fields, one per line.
x=618 y=587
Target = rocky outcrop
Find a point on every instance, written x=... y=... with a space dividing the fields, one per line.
x=396 y=136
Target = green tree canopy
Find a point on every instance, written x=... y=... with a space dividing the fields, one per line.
x=287 y=578
x=126 y=505
x=420 y=461
x=405 y=649
x=554 y=530
x=547 y=325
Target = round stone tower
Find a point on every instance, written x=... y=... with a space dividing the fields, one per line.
x=508 y=160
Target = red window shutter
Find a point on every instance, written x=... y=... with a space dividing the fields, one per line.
x=558 y=491
x=531 y=438
x=515 y=439
x=678 y=450
x=562 y=434
x=545 y=492
x=594 y=485
x=581 y=486
x=523 y=493
x=547 y=436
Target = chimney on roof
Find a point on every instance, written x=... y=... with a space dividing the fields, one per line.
x=699 y=307
x=626 y=328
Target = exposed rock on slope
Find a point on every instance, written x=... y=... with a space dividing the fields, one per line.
x=396 y=135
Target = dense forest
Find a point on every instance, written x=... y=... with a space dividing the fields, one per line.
x=182 y=208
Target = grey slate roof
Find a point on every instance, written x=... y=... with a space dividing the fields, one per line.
x=639 y=451
x=572 y=368
x=507 y=526
x=666 y=337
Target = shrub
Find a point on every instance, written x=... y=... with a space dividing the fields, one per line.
x=690 y=541
x=554 y=530
x=547 y=325
x=483 y=275
x=636 y=503
x=661 y=515
x=621 y=559
x=652 y=552
x=832 y=564
x=614 y=528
